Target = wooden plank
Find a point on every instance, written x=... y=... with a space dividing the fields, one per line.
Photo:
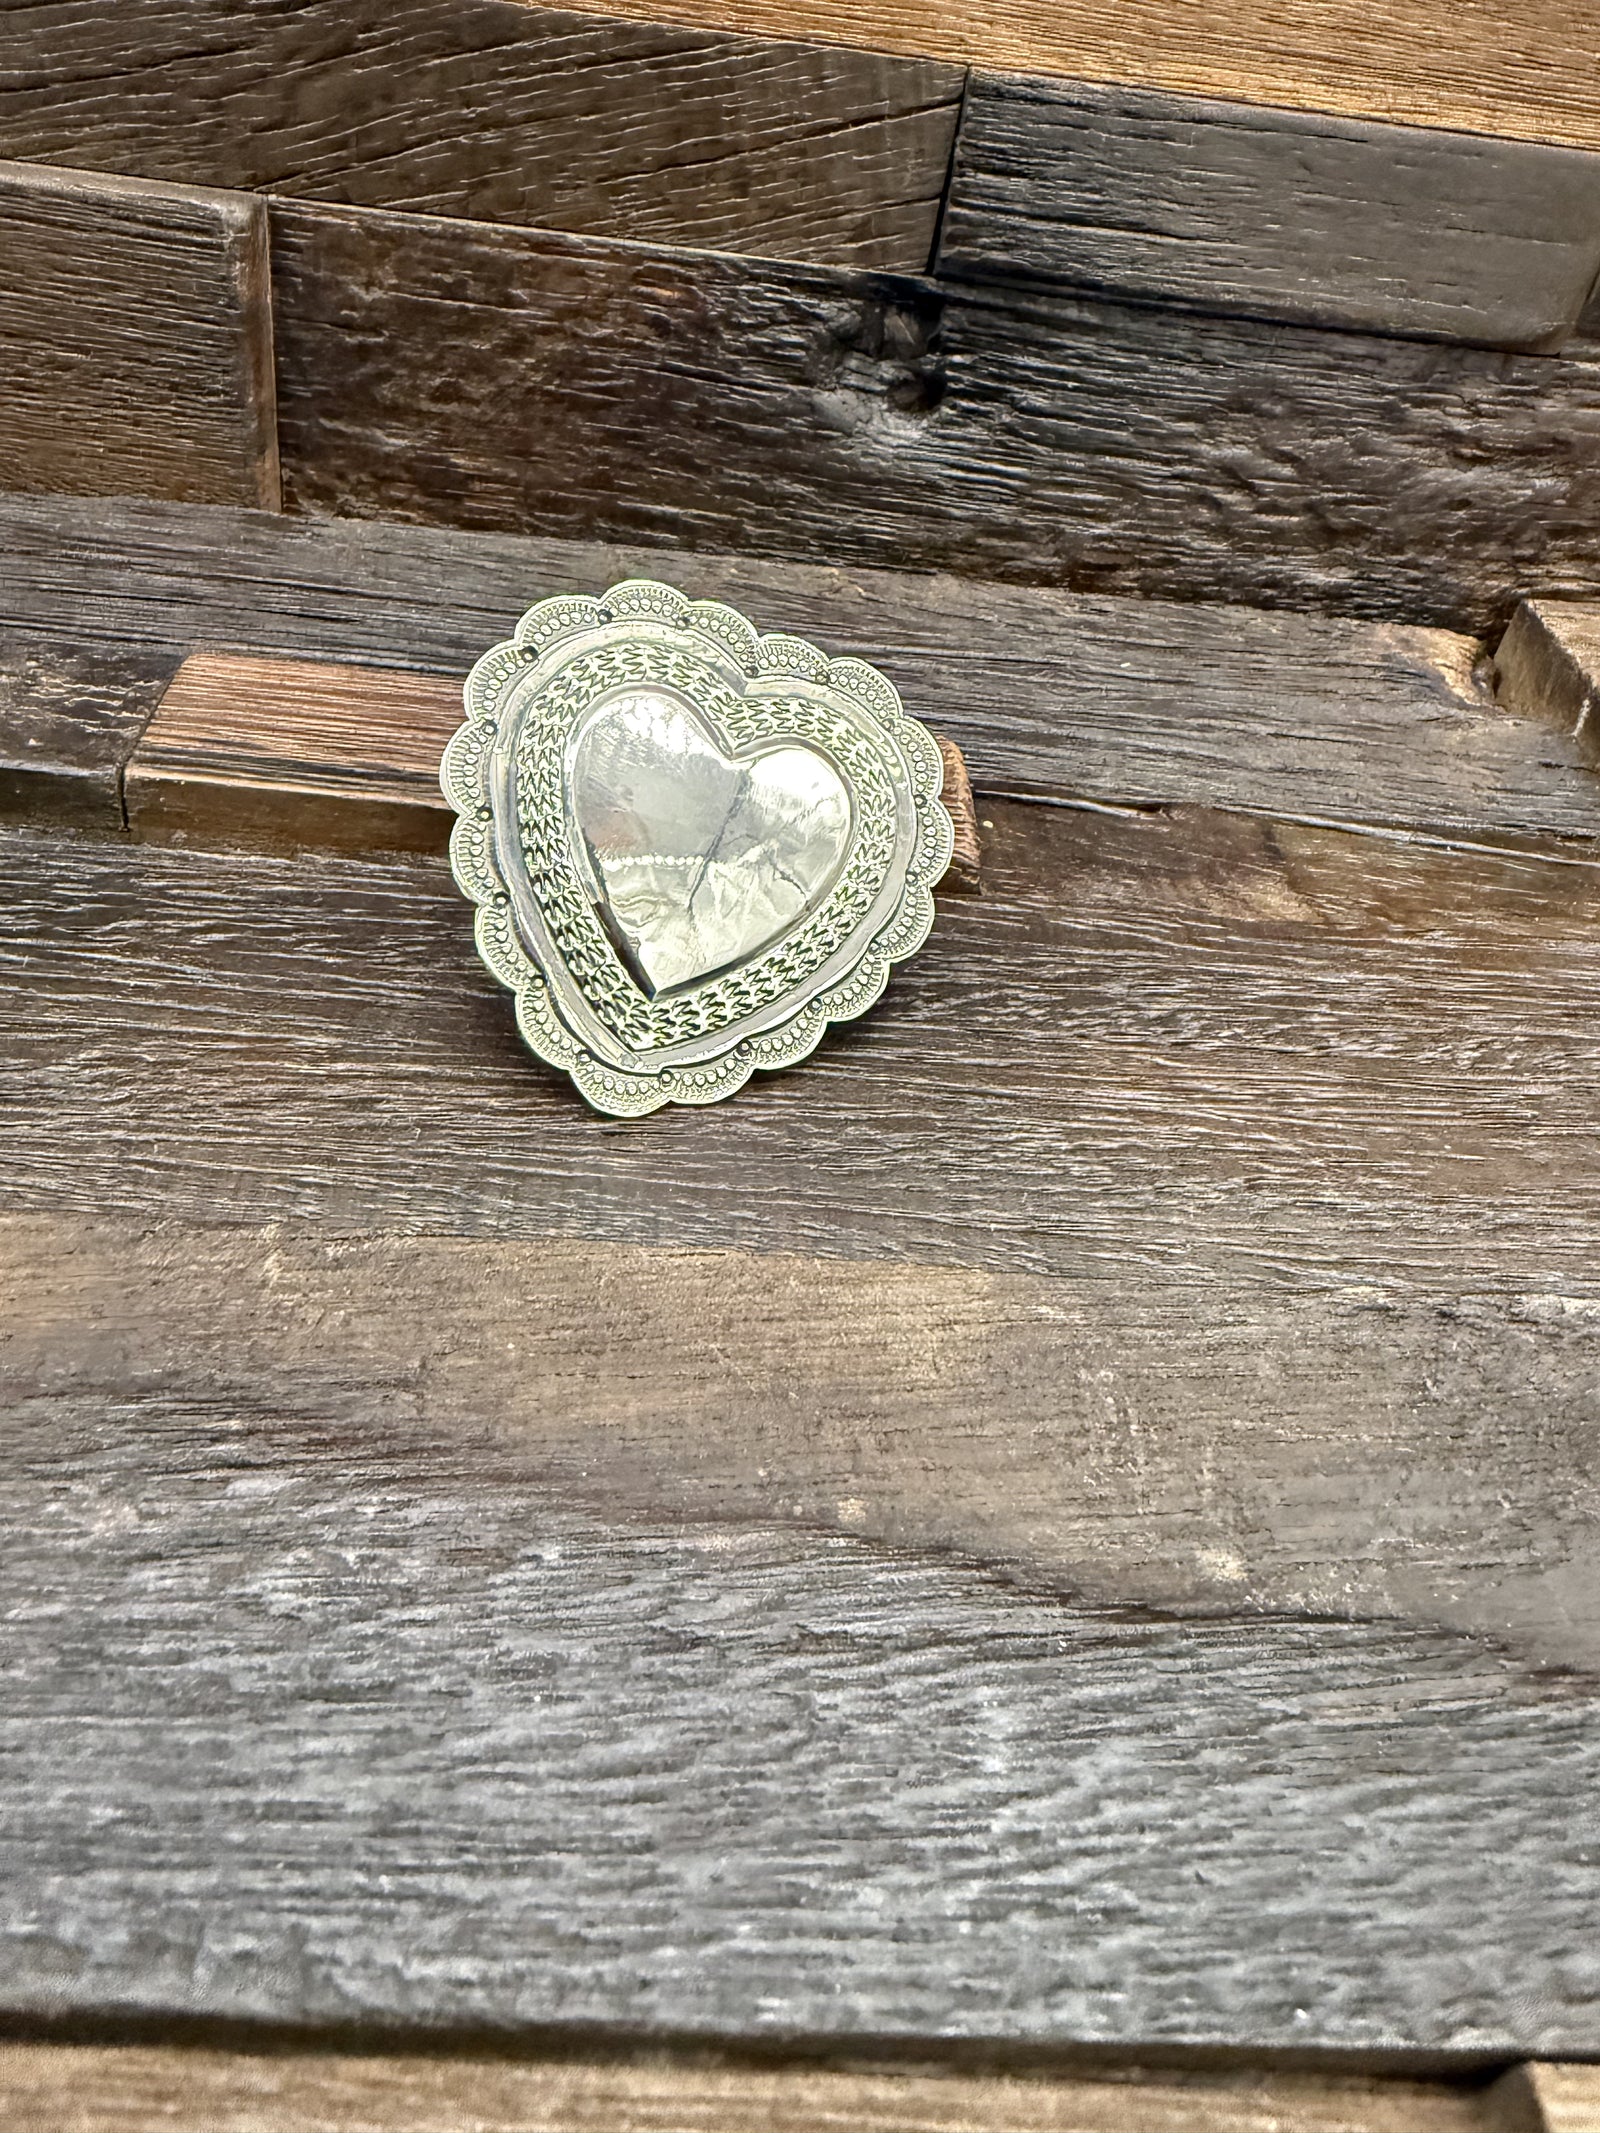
x=964 y=875
x=1548 y=667
x=135 y=337
x=497 y=112
x=1194 y=1447
x=1411 y=61
x=295 y=755
x=321 y=1725
x=308 y=755
x=1052 y=695
x=1550 y=2098
x=69 y=717
x=49 y=2088
x=1214 y=1046
x=504 y=379
x=1281 y=214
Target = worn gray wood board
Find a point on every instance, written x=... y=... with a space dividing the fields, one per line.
x=1049 y=694
x=135 y=339
x=1120 y=1439
x=497 y=112
x=306 y=1725
x=1281 y=214
x=507 y=380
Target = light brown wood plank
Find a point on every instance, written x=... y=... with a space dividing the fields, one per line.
x=135 y=339
x=292 y=755
x=295 y=755
x=1278 y=214
x=500 y=113
x=1548 y=668
x=1547 y=2097
x=1493 y=68
x=130 y=2089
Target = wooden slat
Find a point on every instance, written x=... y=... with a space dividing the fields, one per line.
x=1213 y=1045
x=1548 y=668
x=1282 y=214
x=503 y=379
x=504 y=113
x=135 y=339
x=1417 y=1459
x=1053 y=695
x=69 y=717
x=1488 y=69
x=128 y=2089
x=1550 y=2099
x=295 y=755
x=322 y=1722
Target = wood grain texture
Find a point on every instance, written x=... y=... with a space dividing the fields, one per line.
x=1121 y=1440
x=1207 y=1046
x=69 y=717
x=964 y=875
x=1548 y=667
x=1489 y=69
x=1551 y=2099
x=295 y=755
x=1280 y=214
x=135 y=338
x=506 y=380
x=127 y=2089
x=499 y=113
x=318 y=1725
x=1048 y=694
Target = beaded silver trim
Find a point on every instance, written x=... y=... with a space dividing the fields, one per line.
x=516 y=852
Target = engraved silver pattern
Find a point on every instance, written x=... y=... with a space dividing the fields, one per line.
x=691 y=847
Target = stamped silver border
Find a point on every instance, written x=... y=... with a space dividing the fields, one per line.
x=774 y=679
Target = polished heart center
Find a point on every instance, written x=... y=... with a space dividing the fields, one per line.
x=700 y=860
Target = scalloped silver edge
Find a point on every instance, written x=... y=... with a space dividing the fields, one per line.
x=463 y=778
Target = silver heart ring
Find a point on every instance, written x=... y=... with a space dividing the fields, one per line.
x=691 y=847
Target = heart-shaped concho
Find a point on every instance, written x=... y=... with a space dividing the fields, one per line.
x=691 y=847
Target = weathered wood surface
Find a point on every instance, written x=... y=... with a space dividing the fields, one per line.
x=1210 y=1046
x=506 y=379
x=1282 y=214
x=320 y=1724
x=1122 y=1439
x=497 y=112
x=1489 y=69
x=1048 y=694
x=310 y=755
x=1548 y=667
x=48 y=2088
x=135 y=339
x=69 y=717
